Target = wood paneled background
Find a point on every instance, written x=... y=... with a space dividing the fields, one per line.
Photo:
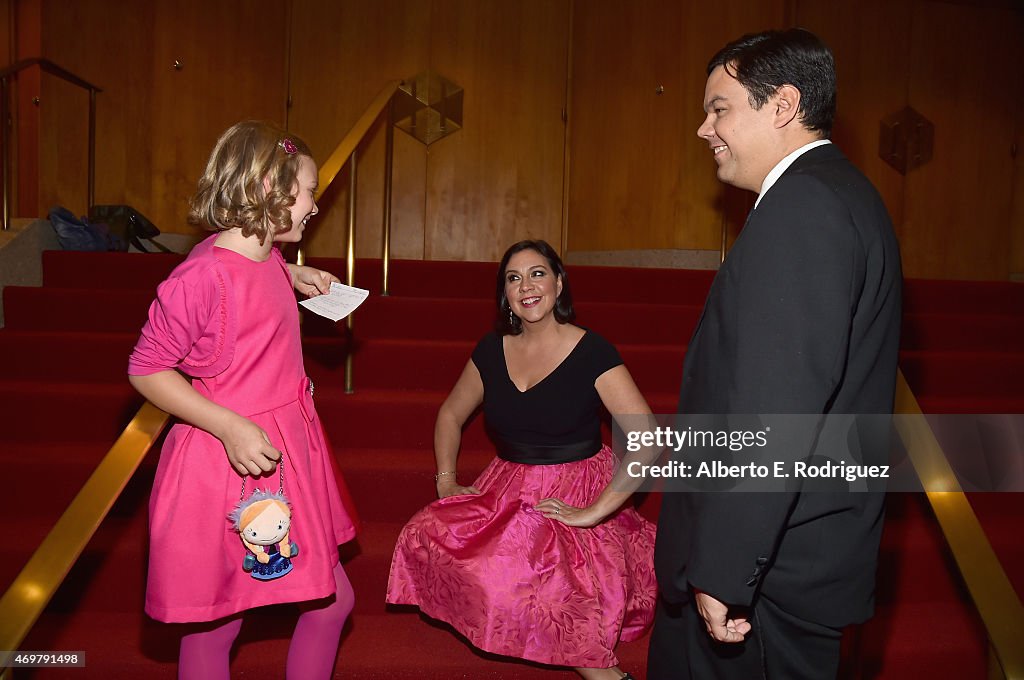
x=499 y=180
x=640 y=177
x=342 y=54
x=954 y=215
x=155 y=124
x=623 y=171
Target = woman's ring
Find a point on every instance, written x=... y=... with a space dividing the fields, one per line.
x=555 y=511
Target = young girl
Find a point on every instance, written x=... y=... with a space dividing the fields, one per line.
x=221 y=351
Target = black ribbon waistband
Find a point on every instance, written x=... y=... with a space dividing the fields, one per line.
x=544 y=454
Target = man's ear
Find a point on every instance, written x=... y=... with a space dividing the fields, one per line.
x=787 y=105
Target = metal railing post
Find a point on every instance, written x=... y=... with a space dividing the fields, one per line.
x=6 y=136
x=350 y=264
x=389 y=155
x=724 y=248
x=92 y=152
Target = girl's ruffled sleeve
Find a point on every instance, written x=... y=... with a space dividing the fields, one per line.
x=190 y=326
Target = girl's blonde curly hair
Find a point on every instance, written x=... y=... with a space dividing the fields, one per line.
x=249 y=180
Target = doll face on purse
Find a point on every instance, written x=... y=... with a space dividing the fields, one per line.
x=270 y=524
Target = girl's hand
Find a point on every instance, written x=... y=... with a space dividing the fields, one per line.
x=310 y=281
x=449 y=487
x=555 y=509
x=249 y=449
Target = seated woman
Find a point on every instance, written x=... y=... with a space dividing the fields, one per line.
x=533 y=560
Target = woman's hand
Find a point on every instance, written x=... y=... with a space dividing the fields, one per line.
x=555 y=509
x=449 y=487
x=248 y=448
x=311 y=281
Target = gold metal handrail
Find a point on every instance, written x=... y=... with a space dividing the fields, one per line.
x=330 y=168
x=991 y=591
x=49 y=67
x=25 y=600
x=344 y=153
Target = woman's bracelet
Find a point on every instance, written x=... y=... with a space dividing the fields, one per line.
x=439 y=475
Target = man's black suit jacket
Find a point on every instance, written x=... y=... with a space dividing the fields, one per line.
x=803 y=318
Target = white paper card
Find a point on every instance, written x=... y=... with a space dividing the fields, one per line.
x=339 y=303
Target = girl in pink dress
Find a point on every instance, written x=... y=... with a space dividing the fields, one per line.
x=221 y=351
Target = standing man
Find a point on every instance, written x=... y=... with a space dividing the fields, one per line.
x=802 y=318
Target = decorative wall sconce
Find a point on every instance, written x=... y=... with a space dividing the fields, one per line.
x=905 y=140
x=428 y=107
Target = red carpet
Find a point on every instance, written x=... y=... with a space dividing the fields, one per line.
x=65 y=399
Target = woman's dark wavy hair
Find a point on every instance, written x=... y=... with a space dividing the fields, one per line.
x=564 y=312
x=764 y=62
x=231 y=192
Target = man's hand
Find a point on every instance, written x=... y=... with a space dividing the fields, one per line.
x=716 y=618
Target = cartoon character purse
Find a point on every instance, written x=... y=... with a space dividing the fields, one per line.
x=263 y=522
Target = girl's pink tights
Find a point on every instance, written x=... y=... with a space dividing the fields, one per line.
x=315 y=640
x=205 y=655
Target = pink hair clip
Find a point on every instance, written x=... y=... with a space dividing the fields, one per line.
x=288 y=146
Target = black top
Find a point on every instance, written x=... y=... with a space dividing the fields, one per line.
x=557 y=420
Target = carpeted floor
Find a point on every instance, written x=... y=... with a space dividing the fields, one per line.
x=65 y=399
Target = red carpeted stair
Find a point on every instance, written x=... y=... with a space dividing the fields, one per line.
x=65 y=399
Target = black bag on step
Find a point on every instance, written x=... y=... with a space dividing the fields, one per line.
x=77 y=233
x=129 y=225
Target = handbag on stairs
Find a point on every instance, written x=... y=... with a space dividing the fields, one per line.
x=130 y=225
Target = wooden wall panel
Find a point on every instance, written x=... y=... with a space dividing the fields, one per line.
x=113 y=31
x=7 y=57
x=342 y=54
x=954 y=216
x=957 y=208
x=6 y=32
x=869 y=41
x=108 y=43
x=155 y=125
x=499 y=179
x=234 y=58
x=63 y=148
x=626 y=159
x=28 y=44
x=1017 y=212
x=639 y=176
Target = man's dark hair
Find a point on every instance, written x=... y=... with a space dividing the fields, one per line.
x=764 y=62
x=564 y=312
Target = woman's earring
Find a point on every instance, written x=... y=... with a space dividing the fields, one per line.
x=511 y=318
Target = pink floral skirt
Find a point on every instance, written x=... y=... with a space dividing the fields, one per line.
x=519 y=584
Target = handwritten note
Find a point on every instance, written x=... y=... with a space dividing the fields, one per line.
x=339 y=303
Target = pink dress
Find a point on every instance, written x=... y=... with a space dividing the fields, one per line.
x=231 y=323
x=511 y=580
